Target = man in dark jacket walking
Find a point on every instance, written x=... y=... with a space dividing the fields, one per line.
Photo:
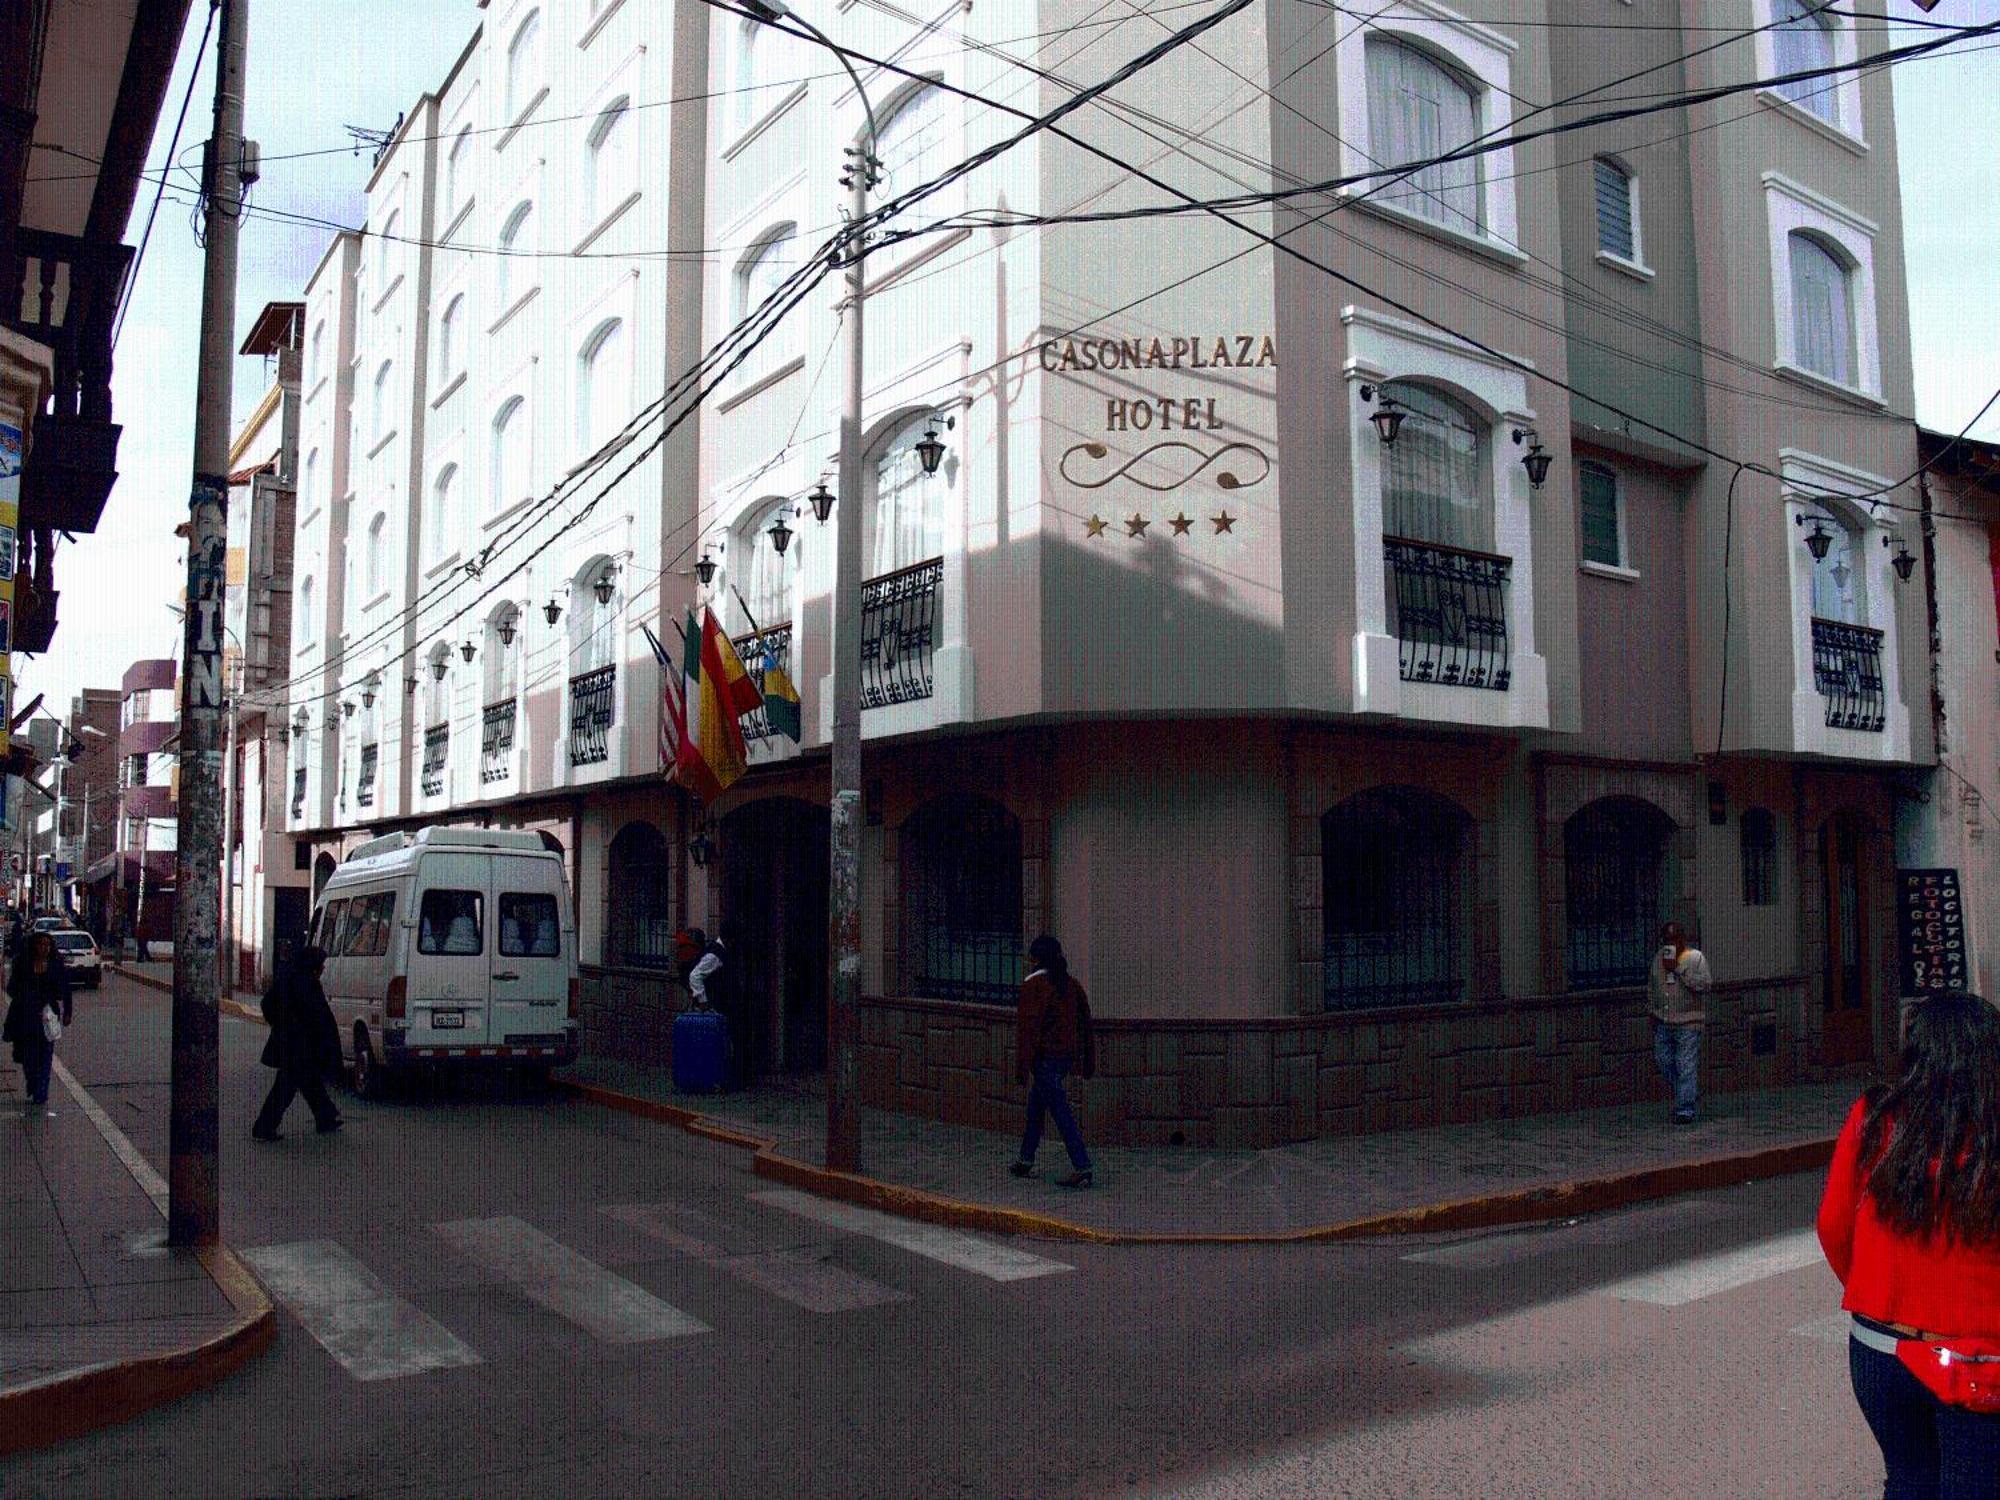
x=304 y=1045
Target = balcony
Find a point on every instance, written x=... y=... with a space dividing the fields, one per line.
x=1847 y=670
x=1449 y=614
x=68 y=294
x=298 y=793
x=496 y=742
x=364 y=788
x=899 y=626
x=437 y=742
x=590 y=716
x=753 y=649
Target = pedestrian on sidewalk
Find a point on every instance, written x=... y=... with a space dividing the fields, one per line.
x=713 y=983
x=37 y=989
x=1910 y=1222
x=304 y=1046
x=1677 y=985
x=1054 y=1037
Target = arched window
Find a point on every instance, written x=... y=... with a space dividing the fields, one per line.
x=380 y=416
x=1804 y=40
x=1620 y=882
x=912 y=148
x=308 y=629
x=758 y=275
x=1617 y=209
x=309 y=483
x=385 y=248
x=1837 y=584
x=1437 y=479
x=638 y=926
x=376 y=545
x=749 y=91
x=767 y=588
x=510 y=454
x=1419 y=109
x=316 y=365
x=909 y=504
x=524 y=58
x=609 y=161
x=603 y=385
x=455 y=167
x=960 y=869
x=1394 y=889
x=437 y=684
x=593 y=621
x=503 y=655
x=437 y=520
x=1822 y=310
x=1757 y=840
x=448 y=337
x=515 y=242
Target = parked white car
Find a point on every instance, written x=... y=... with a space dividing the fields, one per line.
x=80 y=956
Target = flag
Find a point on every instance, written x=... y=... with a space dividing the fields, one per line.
x=673 y=711
x=781 y=699
x=716 y=692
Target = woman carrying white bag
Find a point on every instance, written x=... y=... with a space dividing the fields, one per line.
x=37 y=1012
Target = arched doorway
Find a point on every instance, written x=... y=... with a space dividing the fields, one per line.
x=1848 y=991
x=774 y=854
x=639 y=925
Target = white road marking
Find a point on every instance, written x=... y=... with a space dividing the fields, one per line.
x=1708 y=1275
x=803 y=1277
x=135 y=1163
x=1508 y=1247
x=968 y=1252
x=374 y=1334
x=1831 y=1329
x=546 y=1271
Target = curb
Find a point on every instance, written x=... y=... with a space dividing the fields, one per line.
x=1491 y=1211
x=230 y=1007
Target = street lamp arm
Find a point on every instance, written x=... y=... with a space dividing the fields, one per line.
x=770 y=12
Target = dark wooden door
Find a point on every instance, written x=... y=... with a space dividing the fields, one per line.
x=1850 y=1009
x=775 y=891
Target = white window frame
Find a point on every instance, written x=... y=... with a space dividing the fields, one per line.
x=438 y=510
x=457 y=163
x=451 y=324
x=304 y=627
x=616 y=126
x=513 y=407
x=1793 y=207
x=375 y=557
x=1482 y=56
x=941 y=205
x=1635 y=263
x=1845 y=129
x=521 y=94
x=381 y=401
x=590 y=405
x=784 y=347
x=520 y=221
x=1621 y=567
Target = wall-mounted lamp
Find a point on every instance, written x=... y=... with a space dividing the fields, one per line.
x=368 y=686
x=506 y=630
x=930 y=447
x=1905 y=561
x=1537 y=459
x=822 y=502
x=700 y=848
x=781 y=534
x=552 y=611
x=410 y=685
x=347 y=708
x=438 y=664
x=300 y=723
x=705 y=570
x=604 y=586
x=1818 y=540
x=1388 y=415
x=465 y=650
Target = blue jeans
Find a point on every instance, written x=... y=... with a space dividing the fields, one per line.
x=1046 y=1097
x=1931 y=1451
x=1677 y=1049
x=36 y=1064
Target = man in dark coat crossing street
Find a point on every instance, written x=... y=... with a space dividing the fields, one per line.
x=304 y=1045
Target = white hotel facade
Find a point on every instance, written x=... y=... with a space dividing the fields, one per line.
x=1355 y=776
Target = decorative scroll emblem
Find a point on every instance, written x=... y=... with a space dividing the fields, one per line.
x=1225 y=479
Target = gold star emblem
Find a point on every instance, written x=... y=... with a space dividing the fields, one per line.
x=1137 y=525
x=1223 y=522
x=1095 y=525
x=1180 y=524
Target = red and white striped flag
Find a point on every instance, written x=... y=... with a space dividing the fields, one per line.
x=673 y=707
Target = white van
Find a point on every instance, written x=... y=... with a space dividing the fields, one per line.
x=453 y=947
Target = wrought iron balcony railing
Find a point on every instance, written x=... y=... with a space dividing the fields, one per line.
x=437 y=742
x=1449 y=611
x=496 y=741
x=899 y=614
x=298 y=792
x=753 y=648
x=590 y=716
x=1847 y=670
x=364 y=787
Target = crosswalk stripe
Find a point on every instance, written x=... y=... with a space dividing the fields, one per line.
x=374 y=1334
x=1831 y=1329
x=1509 y=1246
x=1708 y=1275
x=800 y=1276
x=546 y=1271
x=966 y=1251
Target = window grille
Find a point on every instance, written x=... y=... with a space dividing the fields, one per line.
x=640 y=921
x=961 y=888
x=1393 y=889
x=364 y=788
x=1617 y=854
x=590 y=708
x=496 y=742
x=1757 y=838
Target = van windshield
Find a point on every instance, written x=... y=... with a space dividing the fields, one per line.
x=452 y=923
x=528 y=926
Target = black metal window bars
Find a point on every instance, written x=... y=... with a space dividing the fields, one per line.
x=1449 y=613
x=899 y=614
x=364 y=788
x=590 y=716
x=1847 y=670
x=437 y=741
x=753 y=648
x=298 y=792
x=496 y=741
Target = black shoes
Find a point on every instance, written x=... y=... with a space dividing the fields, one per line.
x=1074 y=1180
x=264 y=1135
x=1023 y=1169
x=331 y=1126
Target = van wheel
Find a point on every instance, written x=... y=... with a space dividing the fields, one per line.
x=535 y=1078
x=369 y=1081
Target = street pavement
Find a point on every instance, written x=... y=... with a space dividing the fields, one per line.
x=486 y=1292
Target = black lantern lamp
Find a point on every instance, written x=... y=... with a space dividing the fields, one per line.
x=1388 y=415
x=410 y=685
x=552 y=611
x=1818 y=540
x=705 y=569
x=373 y=681
x=1537 y=459
x=465 y=650
x=701 y=849
x=347 y=708
x=603 y=586
x=438 y=664
x=1905 y=561
x=822 y=502
x=930 y=447
x=781 y=534
x=506 y=630
x=301 y=721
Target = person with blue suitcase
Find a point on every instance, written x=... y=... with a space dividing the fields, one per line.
x=704 y=1037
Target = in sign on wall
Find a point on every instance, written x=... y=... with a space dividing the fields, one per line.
x=204 y=614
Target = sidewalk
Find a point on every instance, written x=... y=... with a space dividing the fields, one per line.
x=98 y=1319
x=1448 y=1177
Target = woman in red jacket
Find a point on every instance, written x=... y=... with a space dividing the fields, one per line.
x=1053 y=1037
x=1911 y=1225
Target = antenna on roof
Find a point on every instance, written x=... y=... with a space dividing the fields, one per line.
x=377 y=141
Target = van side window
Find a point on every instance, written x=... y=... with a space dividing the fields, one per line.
x=373 y=917
x=528 y=926
x=347 y=936
x=330 y=920
x=451 y=923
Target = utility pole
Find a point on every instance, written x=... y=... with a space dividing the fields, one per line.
x=193 y=1200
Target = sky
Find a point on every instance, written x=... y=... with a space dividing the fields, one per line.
x=316 y=66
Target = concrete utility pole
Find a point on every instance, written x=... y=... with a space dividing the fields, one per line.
x=193 y=1201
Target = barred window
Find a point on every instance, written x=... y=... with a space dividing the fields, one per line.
x=1394 y=890
x=1436 y=477
x=1620 y=887
x=639 y=926
x=961 y=889
x=1599 y=487
x=1757 y=838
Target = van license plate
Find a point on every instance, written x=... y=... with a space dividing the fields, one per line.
x=444 y=1018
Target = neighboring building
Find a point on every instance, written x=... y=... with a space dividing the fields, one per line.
x=89 y=794
x=136 y=898
x=1357 y=775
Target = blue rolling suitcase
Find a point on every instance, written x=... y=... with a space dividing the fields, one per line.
x=701 y=1052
